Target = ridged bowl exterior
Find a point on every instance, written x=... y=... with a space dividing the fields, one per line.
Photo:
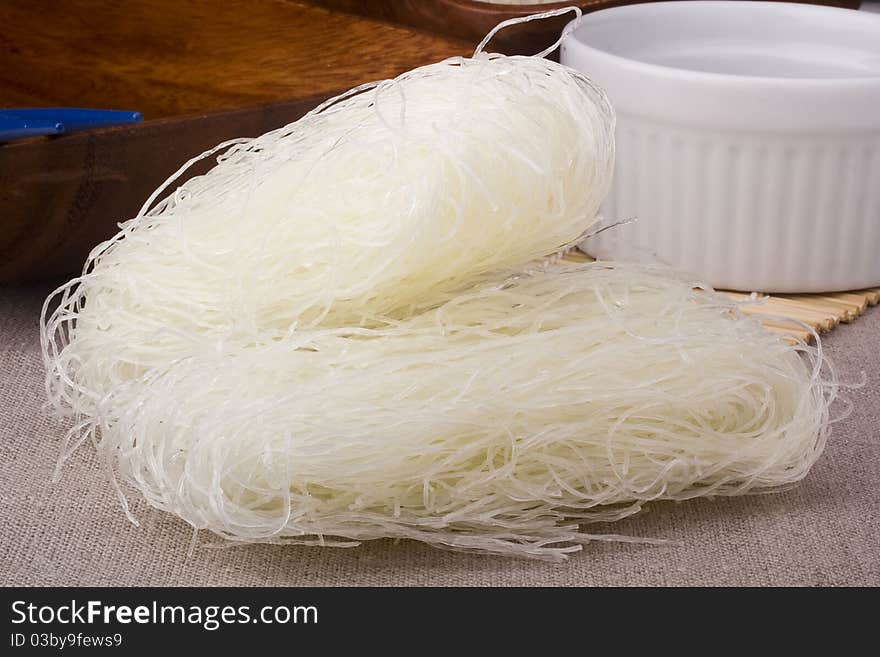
x=749 y=182
x=749 y=212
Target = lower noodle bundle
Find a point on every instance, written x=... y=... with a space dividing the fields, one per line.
x=496 y=422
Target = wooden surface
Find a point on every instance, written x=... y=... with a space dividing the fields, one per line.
x=181 y=64
x=471 y=19
x=167 y=58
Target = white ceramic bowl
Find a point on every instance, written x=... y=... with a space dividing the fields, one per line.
x=748 y=140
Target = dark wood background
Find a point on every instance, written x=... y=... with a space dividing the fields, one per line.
x=172 y=57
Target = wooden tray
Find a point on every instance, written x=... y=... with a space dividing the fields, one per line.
x=200 y=71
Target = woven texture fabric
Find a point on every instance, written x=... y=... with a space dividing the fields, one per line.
x=824 y=532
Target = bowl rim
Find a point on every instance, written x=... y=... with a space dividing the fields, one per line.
x=570 y=40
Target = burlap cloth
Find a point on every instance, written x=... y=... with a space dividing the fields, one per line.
x=824 y=532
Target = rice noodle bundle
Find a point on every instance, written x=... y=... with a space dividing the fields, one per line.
x=380 y=203
x=324 y=340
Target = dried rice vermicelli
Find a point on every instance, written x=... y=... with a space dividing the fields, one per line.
x=325 y=339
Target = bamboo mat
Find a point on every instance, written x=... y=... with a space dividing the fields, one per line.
x=820 y=311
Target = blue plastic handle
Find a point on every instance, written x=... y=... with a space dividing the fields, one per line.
x=17 y=127
x=31 y=121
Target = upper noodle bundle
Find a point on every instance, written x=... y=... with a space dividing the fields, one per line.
x=324 y=339
x=377 y=204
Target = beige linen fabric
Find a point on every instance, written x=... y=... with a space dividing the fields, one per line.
x=824 y=532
